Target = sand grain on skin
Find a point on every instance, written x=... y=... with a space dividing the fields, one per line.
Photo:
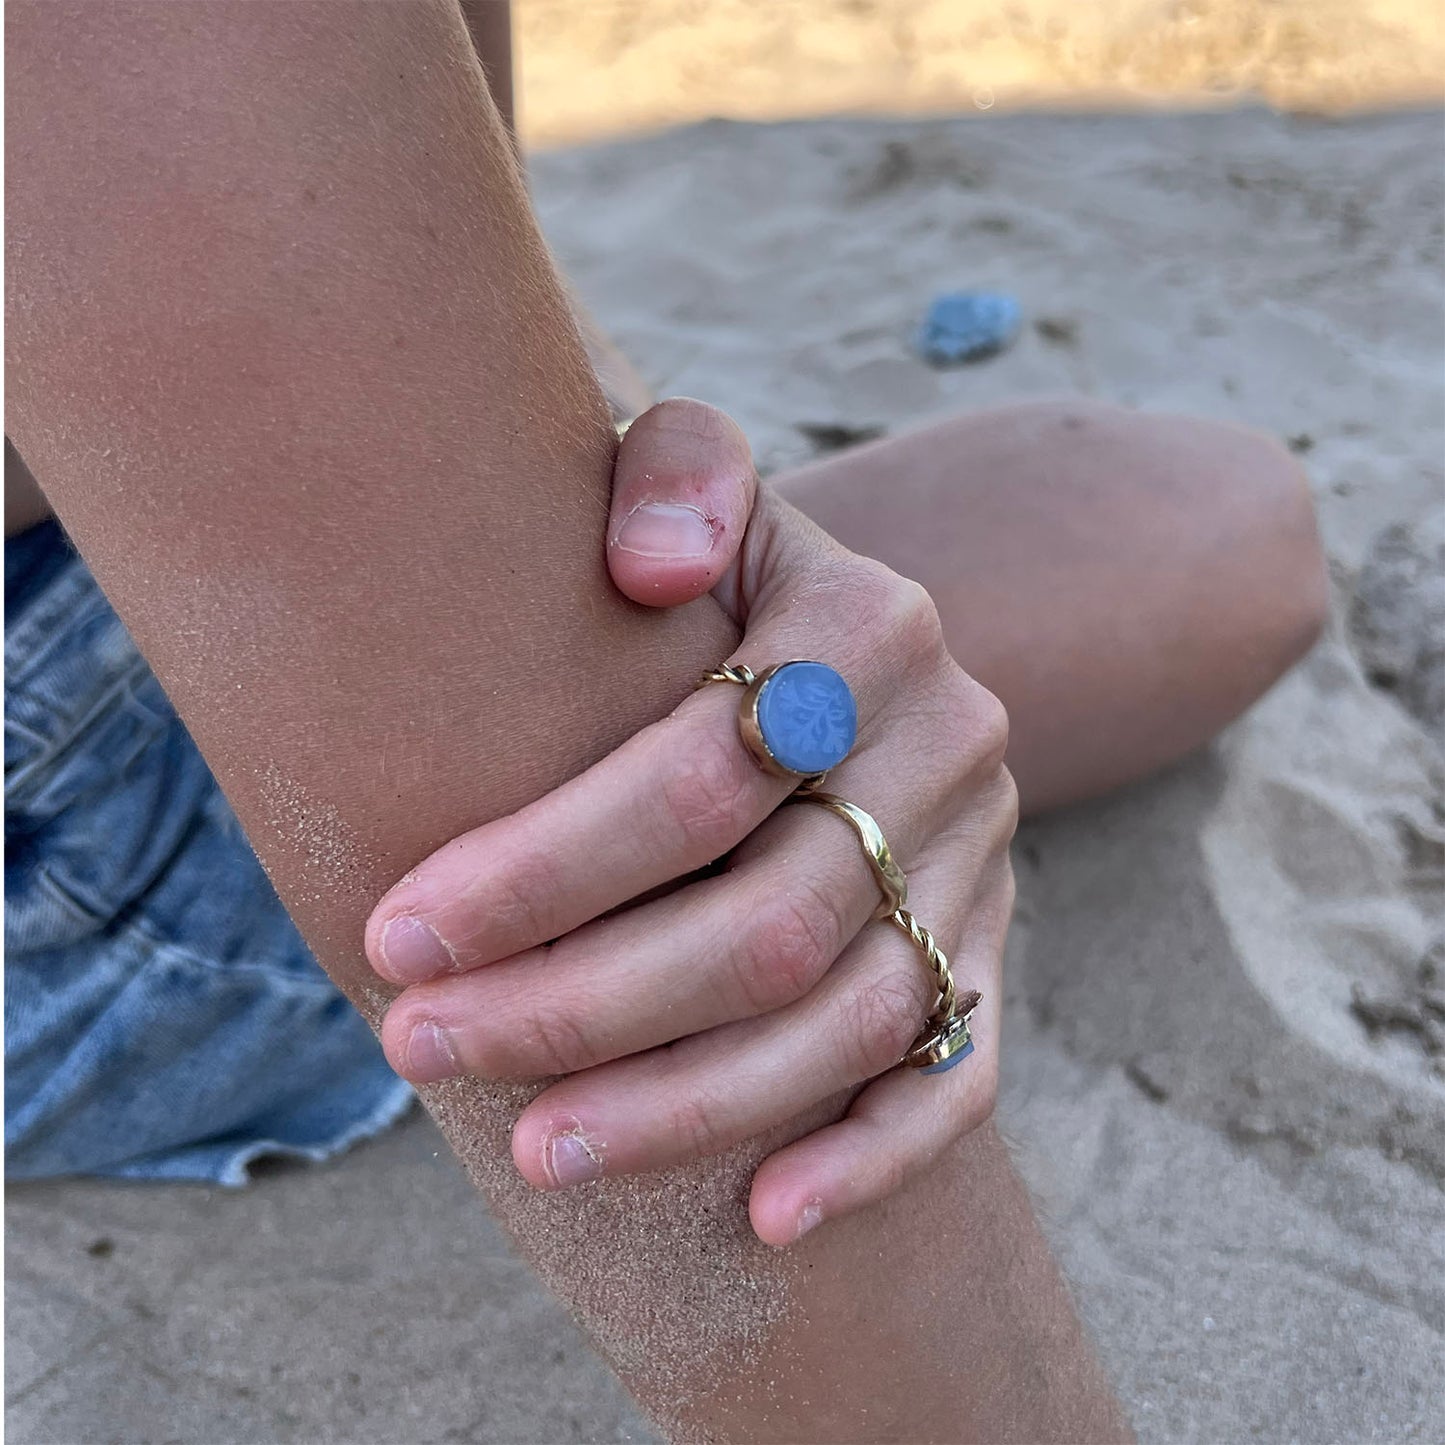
x=663 y=1270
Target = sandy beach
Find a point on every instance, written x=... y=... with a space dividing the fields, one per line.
x=617 y=66
x=1224 y=1066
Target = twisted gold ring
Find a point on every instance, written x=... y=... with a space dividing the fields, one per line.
x=945 y=1039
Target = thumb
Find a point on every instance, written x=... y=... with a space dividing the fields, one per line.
x=683 y=488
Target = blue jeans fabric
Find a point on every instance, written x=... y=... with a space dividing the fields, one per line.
x=163 y=1018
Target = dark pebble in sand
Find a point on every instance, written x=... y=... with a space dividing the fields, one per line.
x=835 y=436
x=1059 y=330
x=1397 y=621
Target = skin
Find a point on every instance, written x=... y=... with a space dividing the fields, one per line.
x=789 y=996
x=328 y=439
x=508 y=1007
x=1126 y=583
x=187 y=524
x=1191 y=545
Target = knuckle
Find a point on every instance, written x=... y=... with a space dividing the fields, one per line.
x=989 y=723
x=982 y=724
x=1006 y=806
x=910 y=616
x=550 y=1042
x=884 y=1016
x=519 y=907
x=789 y=946
x=872 y=596
x=708 y=800
x=1009 y=896
x=697 y=1129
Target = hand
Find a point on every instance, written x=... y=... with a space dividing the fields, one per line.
x=685 y=1024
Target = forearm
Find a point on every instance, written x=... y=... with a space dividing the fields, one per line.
x=290 y=356
x=287 y=350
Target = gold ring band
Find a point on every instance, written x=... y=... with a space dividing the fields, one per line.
x=936 y=960
x=891 y=882
x=945 y=1038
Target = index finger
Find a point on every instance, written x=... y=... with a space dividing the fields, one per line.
x=673 y=798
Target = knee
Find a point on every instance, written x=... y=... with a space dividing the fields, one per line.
x=1292 y=543
x=1232 y=509
x=1250 y=500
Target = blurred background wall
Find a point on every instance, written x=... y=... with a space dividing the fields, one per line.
x=591 y=68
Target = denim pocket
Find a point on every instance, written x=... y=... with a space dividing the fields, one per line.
x=163 y=1017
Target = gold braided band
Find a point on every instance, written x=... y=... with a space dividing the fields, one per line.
x=945 y=1039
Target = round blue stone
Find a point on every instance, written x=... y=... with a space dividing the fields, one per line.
x=807 y=717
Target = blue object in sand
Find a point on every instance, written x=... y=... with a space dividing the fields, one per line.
x=967 y=325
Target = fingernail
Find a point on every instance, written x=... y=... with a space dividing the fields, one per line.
x=429 y=1054
x=810 y=1218
x=663 y=529
x=412 y=951
x=570 y=1161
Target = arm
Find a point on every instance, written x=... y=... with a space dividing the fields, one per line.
x=288 y=352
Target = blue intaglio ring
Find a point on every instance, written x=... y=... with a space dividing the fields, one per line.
x=798 y=719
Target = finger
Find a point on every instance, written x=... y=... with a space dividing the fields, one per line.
x=896 y=1128
x=755 y=939
x=752 y=940
x=726 y=948
x=680 y=794
x=901 y=1123
x=673 y=798
x=682 y=491
x=710 y=1091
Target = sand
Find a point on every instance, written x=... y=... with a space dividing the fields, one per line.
x=1223 y=1066
x=614 y=66
x=1224 y=1056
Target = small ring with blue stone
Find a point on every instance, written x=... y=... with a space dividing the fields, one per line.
x=798 y=719
x=950 y=1043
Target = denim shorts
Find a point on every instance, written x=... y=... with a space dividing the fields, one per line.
x=163 y=1018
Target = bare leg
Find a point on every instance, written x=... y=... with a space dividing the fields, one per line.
x=306 y=395
x=489 y=23
x=1127 y=584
